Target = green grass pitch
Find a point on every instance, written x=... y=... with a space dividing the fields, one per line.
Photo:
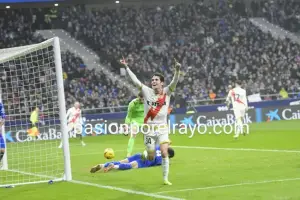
x=211 y=167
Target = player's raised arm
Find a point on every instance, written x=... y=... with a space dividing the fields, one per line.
x=175 y=79
x=133 y=77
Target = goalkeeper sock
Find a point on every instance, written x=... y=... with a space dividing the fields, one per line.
x=130 y=146
x=165 y=166
x=115 y=163
x=124 y=166
x=1 y=155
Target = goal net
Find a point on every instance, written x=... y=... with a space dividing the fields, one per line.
x=32 y=88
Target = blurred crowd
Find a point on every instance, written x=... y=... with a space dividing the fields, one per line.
x=30 y=82
x=286 y=14
x=216 y=45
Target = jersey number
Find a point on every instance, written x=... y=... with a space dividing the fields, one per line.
x=236 y=97
x=148 y=140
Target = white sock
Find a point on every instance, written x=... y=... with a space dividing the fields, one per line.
x=116 y=166
x=165 y=166
x=238 y=127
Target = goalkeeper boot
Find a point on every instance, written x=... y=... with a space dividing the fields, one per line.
x=96 y=168
x=166 y=182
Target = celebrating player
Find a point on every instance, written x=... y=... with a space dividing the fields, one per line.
x=34 y=119
x=134 y=119
x=2 y=142
x=237 y=96
x=156 y=104
x=133 y=162
x=74 y=119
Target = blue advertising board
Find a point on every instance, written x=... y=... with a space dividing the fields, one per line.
x=202 y=109
x=258 y=106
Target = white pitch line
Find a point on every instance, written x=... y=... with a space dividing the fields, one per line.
x=210 y=148
x=126 y=190
x=157 y=196
x=238 y=149
x=230 y=185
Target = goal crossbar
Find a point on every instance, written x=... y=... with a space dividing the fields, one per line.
x=16 y=52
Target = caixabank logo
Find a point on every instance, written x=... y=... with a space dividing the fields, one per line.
x=282 y=113
x=272 y=115
x=210 y=119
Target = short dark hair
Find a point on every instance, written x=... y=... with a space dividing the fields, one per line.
x=140 y=94
x=239 y=82
x=171 y=152
x=161 y=77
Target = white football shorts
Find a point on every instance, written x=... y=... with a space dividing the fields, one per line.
x=239 y=113
x=156 y=137
x=76 y=126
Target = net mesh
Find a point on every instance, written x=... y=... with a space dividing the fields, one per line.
x=28 y=82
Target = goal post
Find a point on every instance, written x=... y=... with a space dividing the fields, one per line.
x=31 y=79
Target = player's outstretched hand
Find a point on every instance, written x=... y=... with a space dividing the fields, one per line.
x=123 y=62
x=177 y=65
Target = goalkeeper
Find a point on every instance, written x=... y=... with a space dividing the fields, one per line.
x=34 y=119
x=134 y=119
x=2 y=142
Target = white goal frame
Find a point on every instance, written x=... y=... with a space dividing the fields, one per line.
x=10 y=54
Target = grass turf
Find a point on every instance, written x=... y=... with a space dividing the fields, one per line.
x=225 y=169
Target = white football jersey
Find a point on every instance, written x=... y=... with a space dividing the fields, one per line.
x=238 y=98
x=156 y=106
x=74 y=115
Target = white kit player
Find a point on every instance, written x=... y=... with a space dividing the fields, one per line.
x=74 y=120
x=156 y=104
x=238 y=97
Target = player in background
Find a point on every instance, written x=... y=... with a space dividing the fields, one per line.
x=2 y=142
x=134 y=119
x=156 y=104
x=34 y=119
x=133 y=162
x=74 y=120
x=238 y=97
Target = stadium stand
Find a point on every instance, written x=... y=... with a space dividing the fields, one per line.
x=215 y=46
x=92 y=88
x=286 y=14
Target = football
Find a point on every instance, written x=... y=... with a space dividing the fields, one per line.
x=109 y=153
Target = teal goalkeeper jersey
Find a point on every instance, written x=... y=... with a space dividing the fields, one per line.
x=135 y=112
